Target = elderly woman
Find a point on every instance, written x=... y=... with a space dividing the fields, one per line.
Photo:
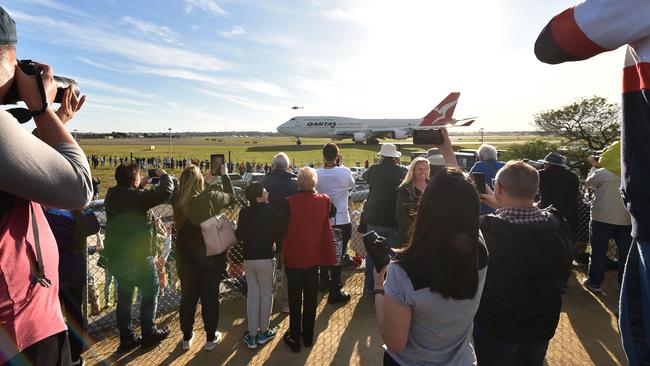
x=408 y=197
x=307 y=244
x=488 y=165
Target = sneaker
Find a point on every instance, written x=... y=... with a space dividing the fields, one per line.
x=267 y=336
x=293 y=344
x=249 y=340
x=155 y=337
x=209 y=345
x=129 y=345
x=591 y=287
x=338 y=297
x=187 y=344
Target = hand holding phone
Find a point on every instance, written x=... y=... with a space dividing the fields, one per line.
x=479 y=181
x=428 y=137
x=216 y=164
x=377 y=249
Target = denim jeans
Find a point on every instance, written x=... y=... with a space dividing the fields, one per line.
x=634 y=318
x=599 y=235
x=390 y=233
x=492 y=351
x=144 y=276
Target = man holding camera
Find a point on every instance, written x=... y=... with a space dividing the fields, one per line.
x=335 y=180
x=130 y=251
x=52 y=171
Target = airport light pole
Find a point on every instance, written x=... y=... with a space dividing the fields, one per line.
x=170 y=142
x=482 y=135
x=75 y=134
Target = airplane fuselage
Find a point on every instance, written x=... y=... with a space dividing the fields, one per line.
x=343 y=127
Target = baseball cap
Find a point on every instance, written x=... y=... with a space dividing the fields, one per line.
x=7 y=28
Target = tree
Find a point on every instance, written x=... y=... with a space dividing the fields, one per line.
x=588 y=121
x=532 y=150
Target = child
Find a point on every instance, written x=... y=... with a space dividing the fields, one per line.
x=257 y=229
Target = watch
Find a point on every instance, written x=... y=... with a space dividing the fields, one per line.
x=378 y=291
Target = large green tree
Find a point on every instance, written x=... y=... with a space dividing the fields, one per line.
x=593 y=122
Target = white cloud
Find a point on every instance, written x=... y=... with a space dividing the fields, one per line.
x=340 y=14
x=210 y=6
x=234 y=32
x=275 y=39
x=148 y=28
x=144 y=52
x=118 y=89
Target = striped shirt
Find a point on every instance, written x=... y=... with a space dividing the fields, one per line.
x=596 y=26
x=521 y=215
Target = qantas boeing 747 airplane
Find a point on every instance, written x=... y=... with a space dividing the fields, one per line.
x=371 y=130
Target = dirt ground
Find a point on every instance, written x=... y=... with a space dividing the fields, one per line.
x=348 y=335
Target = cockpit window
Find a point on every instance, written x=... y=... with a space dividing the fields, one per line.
x=293 y=119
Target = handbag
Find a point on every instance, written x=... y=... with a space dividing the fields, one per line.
x=218 y=233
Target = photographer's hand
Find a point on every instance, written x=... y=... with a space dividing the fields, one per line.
x=446 y=149
x=50 y=128
x=69 y=105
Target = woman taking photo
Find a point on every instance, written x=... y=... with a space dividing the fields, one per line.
x=408 y=197
x=307 y=244
x=199 y=274
x=433 y=287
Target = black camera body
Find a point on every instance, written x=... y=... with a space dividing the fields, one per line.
x=30 y=68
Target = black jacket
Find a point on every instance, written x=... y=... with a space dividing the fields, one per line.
x=558 y=187
x=258 y=228
x=130 y=237
x=190 y=246
x=280 y=184
x=383 y=180
x=528 y=263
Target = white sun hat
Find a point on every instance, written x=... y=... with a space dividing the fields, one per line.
x=389 y=150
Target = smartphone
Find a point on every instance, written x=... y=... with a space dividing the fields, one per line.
x=216 y=161
x=479 y=181
x=377 y=249
x=151 y=173
x=428 y=137
x=154 y=180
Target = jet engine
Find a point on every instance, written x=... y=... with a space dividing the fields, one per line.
x=359 y=137
x=399 y=135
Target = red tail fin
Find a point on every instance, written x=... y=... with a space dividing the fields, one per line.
x=443 y=112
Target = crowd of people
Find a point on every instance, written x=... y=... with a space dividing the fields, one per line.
x=476 y=272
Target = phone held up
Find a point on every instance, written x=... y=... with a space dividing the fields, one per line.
x=428 y=137
x=216 y=161
x=479 y=181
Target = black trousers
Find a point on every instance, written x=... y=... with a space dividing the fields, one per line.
x=302 y=285
x=51 y=351
x=72 y=300
x=333 y=273
x=389 y=361
x=199 y=283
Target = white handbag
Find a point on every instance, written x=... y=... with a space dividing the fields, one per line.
x=218 y=234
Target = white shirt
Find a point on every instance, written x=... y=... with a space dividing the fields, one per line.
x=608 y=205
x=335 y=182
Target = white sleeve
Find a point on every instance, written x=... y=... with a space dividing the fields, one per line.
x=614 y=23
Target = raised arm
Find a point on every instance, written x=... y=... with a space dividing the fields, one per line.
x=592 y=27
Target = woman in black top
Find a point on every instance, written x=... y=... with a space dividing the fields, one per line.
x=199 y=274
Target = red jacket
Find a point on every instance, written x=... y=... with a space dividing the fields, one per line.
x=308 y=241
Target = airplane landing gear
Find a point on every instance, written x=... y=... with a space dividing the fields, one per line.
x=298 y=142
x=372 y=141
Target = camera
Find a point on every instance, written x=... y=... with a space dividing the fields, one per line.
x=30 y=68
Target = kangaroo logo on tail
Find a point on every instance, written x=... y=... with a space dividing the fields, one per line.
x=443 y=112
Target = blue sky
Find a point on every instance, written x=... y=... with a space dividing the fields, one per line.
x=232 y=65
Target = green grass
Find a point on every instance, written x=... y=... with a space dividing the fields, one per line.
x=258 y=149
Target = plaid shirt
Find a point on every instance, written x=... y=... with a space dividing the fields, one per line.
x=521 y=215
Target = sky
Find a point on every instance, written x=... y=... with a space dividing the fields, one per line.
x=240 y=65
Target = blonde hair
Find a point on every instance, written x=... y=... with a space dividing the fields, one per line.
x=191 y=185
x=307 y=179
x=409 y=175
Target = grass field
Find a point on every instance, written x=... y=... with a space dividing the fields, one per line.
x=260 y=149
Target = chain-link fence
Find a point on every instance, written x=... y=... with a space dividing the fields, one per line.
x=102 y=288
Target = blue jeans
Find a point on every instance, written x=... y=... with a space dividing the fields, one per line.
x=599 y=235
x=634 y=318
x=493 y=351
x=390 y=233
x=144 y=276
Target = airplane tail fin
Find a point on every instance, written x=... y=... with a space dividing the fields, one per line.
x=443 y=112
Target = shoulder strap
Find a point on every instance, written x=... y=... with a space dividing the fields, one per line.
x=40 y=275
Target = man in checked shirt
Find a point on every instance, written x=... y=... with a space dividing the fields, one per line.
x=530 y=252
